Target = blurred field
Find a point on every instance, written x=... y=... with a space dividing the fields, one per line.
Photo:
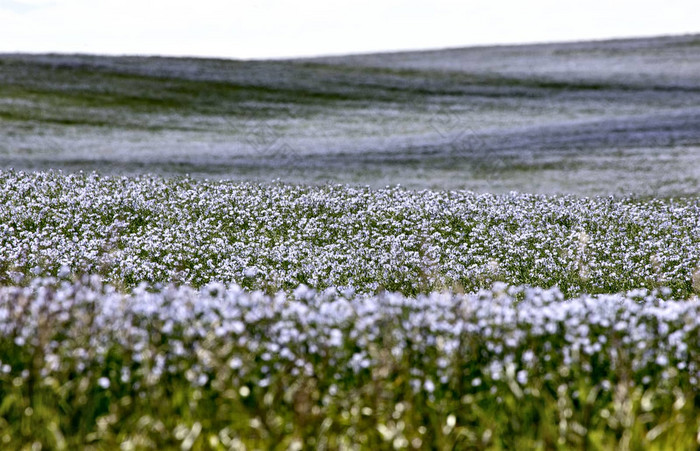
x=615 y=117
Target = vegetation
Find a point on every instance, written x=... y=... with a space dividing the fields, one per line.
x=172 y=313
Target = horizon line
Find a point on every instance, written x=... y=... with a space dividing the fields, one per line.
x=361 y=53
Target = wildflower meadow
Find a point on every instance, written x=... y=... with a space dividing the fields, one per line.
x=148 y=312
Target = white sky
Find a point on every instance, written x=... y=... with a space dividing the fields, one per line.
x=278 y=28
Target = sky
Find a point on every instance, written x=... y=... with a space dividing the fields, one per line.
x=261 y=29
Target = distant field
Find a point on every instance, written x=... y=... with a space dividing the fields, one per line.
x=613 y=117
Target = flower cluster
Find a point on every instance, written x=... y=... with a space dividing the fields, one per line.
x=277 y=236
x=321 y=354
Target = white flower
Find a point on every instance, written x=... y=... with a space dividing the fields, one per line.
x=64 y=271
x=522 y=377
x=103 y=382
x=661 y=360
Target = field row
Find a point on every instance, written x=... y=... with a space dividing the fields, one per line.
x=276 y=236
x=223 y=367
